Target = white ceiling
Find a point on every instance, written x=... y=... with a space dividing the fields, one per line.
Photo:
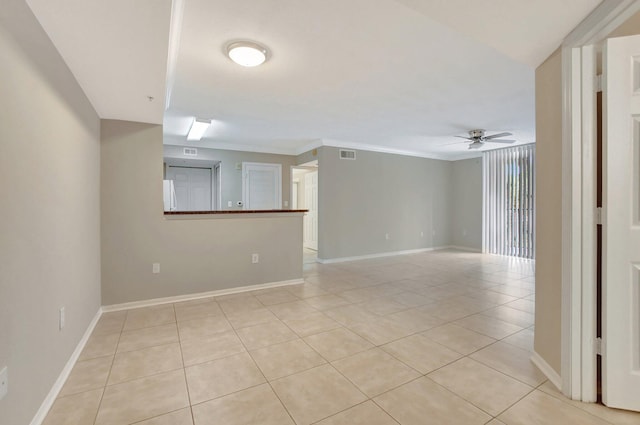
x=525 y=31
x=390 y=75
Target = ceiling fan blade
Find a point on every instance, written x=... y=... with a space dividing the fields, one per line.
x=452 y=143
x=496 y=136
x=462 y=137
x=501 y=141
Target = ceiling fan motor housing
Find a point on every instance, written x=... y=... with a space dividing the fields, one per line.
x=476 y=134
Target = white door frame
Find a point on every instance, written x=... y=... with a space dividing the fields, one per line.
x=216 y=186
x=311 y=216
x=294 y=194
x=578 y=363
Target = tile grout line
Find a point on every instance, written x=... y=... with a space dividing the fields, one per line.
x=533 y=389
x=504 y=373
x=367 y=398
x=155 y=374
x=351 y=407
x=158 y=416
x=262 y=373
x=184 y=368
x=104 y=389
x=140 y=377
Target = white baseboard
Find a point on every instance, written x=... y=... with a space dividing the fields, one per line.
x=465 y=248
x=189 y=297
x=547 y=370
x=380 y=255
x=41 y=414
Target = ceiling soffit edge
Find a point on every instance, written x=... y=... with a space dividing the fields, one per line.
x=174 y=141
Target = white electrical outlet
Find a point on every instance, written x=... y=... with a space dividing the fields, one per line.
x=286 y=203
x=230 y=204
x=62 y=318
x=386 y=236
x=422 y=234
x=4 y=382
x=464 y=232
x=255 y=258
x=156 y=268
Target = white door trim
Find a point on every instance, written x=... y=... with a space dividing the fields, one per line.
x=216 y=186
x=310 y=239
x=588 y=254
x=578 y=186
x=571 y=223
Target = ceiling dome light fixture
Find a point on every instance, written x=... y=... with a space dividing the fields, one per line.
x=247 y=53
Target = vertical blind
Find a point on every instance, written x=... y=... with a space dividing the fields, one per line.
x=509 y=195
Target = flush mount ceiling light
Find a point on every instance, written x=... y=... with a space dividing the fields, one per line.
x=198 y=127
x=247 y=53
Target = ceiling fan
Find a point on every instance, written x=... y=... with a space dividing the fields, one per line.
x=477 y=138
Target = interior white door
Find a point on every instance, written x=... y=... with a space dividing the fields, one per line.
x=192 y=188
x=261 y=186
x=621 y=237
x=311 y=203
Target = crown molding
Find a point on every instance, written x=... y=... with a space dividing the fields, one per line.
x=316 y=144
x=382 y=149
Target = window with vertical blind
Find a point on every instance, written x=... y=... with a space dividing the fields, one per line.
x=509 y=194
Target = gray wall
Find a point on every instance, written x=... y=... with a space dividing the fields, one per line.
x=466 y=229
x=232 y=177
x=360 y=201
x=308 y=156
x=195 y=255
x=50 y=215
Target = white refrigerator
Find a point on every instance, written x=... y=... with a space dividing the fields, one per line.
x=169 y=196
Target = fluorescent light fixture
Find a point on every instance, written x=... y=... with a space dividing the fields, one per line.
x=247 y=53
x=198 y=127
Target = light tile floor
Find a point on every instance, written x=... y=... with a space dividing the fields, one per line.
x=442 y=337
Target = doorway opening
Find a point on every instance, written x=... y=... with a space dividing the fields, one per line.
x=600 y=303
x=304 y=196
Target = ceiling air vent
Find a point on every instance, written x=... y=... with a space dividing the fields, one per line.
x=190 y=152
x=347 y=154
